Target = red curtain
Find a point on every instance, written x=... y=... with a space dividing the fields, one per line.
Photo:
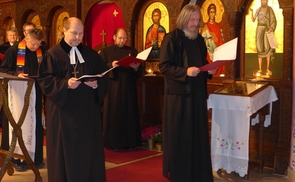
x=107 y=17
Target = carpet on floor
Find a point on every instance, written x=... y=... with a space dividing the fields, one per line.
x=123 y=156
x=146 y=170
x=44 y=141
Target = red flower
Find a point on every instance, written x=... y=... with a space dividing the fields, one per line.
x=149 y=132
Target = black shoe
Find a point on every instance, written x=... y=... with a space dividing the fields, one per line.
x=41 y=165
x=16 y=161
x=21 y=168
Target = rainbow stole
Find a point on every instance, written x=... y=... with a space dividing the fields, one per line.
x=21 y=54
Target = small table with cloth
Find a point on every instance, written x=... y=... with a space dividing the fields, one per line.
x=233 y=108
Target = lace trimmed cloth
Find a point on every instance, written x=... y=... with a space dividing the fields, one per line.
x=230 y=128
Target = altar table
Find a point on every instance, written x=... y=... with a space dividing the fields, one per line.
x=232 y=108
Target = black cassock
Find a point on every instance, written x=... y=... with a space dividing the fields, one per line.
x=4 y=47
x=8 y=66
x=73 y=121
x=120 y=111
x=186 y=149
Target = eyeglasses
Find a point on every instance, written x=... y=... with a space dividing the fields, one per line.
x=76 y=33
x=122 y=38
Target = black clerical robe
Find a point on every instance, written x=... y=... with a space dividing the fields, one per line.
x=73 y=121
x=8 y=66
x=120 y=112
x=4 y=47
x=186 y=149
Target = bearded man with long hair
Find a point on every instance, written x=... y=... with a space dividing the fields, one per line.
x=186 y=149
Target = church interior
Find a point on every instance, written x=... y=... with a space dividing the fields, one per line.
x=102 y=17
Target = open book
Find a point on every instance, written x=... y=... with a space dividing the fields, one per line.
x=222 y=54
x=142 y=56
x=93 y=77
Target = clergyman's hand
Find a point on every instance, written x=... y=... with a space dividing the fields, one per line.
x=193 y=71
x=73 y=83
x=114 y=63
x=211 y=72
x=23 y=75
x=134 y=66
x=92 y=84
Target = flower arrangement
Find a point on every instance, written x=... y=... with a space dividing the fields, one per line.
x=158 y=137
x=149 y=132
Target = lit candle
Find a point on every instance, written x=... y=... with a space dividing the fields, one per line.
x=257 y=74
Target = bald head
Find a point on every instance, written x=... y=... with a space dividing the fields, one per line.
x=74 y=31
x=120 y=37
x=73 y=21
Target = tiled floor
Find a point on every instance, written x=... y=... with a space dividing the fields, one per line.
x=266 y=176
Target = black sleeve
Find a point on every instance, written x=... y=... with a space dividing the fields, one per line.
x=8 y=65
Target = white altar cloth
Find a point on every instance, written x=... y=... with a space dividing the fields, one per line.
x=16 y=95
x=230 y=128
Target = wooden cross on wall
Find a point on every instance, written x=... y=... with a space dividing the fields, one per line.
x=103 y=34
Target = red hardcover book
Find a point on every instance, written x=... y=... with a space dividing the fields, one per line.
x=222 y=54
x=126 y=61
x=142 y=56
x=214 y=65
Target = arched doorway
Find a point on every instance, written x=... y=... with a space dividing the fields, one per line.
x=101 y=22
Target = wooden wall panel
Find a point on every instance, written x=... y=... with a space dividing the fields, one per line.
x=151 y=89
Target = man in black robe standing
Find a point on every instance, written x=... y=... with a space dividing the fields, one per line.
x=31 y=50
x=186 y=149
x=73 y=124
x=12 y=38
x=120 y=112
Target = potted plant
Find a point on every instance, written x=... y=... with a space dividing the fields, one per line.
x=147 y=135
x=158 y=138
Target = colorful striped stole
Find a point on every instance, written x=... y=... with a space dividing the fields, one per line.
x=21 y=54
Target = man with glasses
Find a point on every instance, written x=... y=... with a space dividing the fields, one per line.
x=22 y=60
x=73 y=122
x=120 y=112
